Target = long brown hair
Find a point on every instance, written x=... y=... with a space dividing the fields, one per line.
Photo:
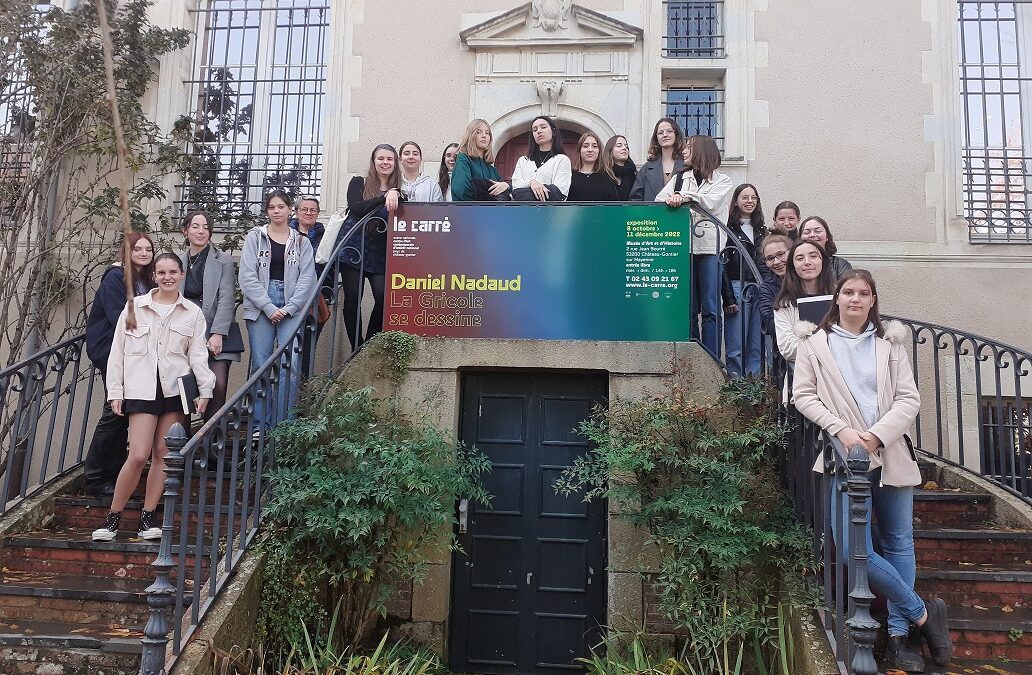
x=604 y=163
x=468 y=147
x=705 y=156
x=874 y=317
x=443 y=174
x=792 y=285
x=655 y=151
x=146 y=273
x=371 y=188
x=829 y=246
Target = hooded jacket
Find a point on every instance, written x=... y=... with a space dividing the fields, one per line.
x=298 y=273
x=821 y=395
x=422 y=189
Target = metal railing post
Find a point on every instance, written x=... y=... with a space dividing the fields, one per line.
x=862 y=627
x=161 y=594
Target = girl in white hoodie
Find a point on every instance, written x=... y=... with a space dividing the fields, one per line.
x=545 y=172
x=416 y=185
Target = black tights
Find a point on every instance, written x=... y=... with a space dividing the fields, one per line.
x=351 y=282
x=218 y=395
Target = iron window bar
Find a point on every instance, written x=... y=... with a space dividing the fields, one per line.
x=258 y=89
x=699 y=110
x=996 y=156
x=694 y=29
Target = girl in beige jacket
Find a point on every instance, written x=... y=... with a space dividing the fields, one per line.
x=146 y=362
x=853 y=379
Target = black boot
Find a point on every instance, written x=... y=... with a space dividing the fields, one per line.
x=110 y=528
x=936 y=633
x=900 y=654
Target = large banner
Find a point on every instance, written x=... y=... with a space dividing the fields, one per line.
x=540 y=271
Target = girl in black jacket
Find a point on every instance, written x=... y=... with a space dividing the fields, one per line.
x=742 y=318
x=364 y=257
x=624 y=168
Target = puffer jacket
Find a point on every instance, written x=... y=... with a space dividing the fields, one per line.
x=822 y=396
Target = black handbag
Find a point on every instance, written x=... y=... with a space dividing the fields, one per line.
x=234 y=342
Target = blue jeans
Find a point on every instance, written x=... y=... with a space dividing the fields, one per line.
x=747 y=320
x=264 y=336
x=706 y=271
x=892 y=573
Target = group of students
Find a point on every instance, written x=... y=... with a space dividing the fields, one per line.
x=182 y=320
x=852 y=376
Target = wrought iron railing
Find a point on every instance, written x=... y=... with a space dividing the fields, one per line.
x=46 y=404
x=835 y=507
x=215 y=487
x=976 y=404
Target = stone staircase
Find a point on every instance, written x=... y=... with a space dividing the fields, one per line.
x=980 y=566
x=72 y=606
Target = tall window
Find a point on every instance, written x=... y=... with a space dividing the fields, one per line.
x=995 y=93
x=258 y=94
x=694 y=29
x=17 y=117
x=699 y=110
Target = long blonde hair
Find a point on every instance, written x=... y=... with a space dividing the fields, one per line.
x=468 y=146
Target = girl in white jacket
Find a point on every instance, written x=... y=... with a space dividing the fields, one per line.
x=168 y=341
x=545 y=172
x=703 y=184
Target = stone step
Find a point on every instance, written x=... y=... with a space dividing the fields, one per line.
x=986 y=544
x=950 y=509
x=981 y=667
x=80 y=599
x=54 y=647
x=992 y=633
x=72 y=551
x=89 y=513
x=984 y=585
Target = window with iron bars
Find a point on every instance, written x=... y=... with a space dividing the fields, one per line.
x=17 y=120
x=257 y=96
x=996 y=93
x=694 y=29
x=699 y=110
x=1007 y=437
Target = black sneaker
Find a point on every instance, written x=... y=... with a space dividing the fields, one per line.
x=148 y=530
x=901 y=655
x=936 y=633
x=110 y=529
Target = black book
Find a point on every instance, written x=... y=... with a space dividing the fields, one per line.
x=814 y=309
x=188 y=393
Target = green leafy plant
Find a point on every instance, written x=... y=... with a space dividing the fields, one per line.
x=699 y=477
x=395 y=351
x=362 y=497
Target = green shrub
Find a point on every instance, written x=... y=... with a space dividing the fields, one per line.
x=361 y=500
x=700 y=478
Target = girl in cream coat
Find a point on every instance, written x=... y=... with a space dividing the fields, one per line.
x=146 y=362
x=854 y=380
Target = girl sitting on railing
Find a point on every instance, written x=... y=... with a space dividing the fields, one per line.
x=700 y=182
x=168 y=341
x=808 y=275
x=853 y=379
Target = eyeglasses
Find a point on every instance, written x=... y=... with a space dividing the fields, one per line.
x=309 y=210
x=776 y=256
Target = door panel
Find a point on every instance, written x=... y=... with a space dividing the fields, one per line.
x=528 y=592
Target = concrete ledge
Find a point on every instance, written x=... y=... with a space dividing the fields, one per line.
x=37 y=510
x=1007 y=509
x=230 y=622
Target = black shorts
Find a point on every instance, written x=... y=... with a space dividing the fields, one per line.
x=159 y=406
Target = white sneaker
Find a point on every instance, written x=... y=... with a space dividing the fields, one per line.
x=110 y=529
x=148 y=530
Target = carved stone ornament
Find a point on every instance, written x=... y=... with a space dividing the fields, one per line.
x=550 y=14
x=549 y=91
